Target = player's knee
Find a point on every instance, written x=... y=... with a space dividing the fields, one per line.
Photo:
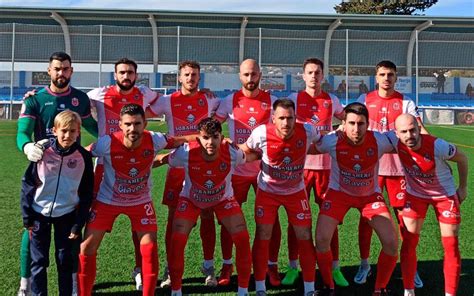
x=264 y=232
x=302 y=233
x=88 y=248
x=390 y=246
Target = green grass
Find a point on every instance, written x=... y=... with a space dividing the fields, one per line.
x=115 y=258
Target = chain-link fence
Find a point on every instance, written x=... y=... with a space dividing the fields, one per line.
x=435 y=69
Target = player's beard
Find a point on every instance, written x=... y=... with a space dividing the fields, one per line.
x=61 y=84
x=126 y=87
x=251 y=86
x=412 y=142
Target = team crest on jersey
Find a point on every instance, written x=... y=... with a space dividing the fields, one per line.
x=370 y=152
x=299 y=143
x=427 y=158
x=326 y=205
x=72 y=163
x=314 y=119
x=400 y=195
x=182 y=206
x=357 y=167
x=75 y=102
x=201 y=102
x=133 y=172
x=396 y=106
x=287 y=160
x=209 y=184
x=136 y=97
x=326 y=104
x=264 y=106
x=252 y=122
x=259 y=212
x=190 y=118
x=147 y=153
x=223 y=166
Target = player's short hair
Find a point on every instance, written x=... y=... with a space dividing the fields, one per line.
x=284 y=103
x=67 y=118
x=386 y=64
x=60 y=56
x=125 y=61
x=356 y=108
x=313 y=61
x=210 y=126
x=191 y=64
x=132 y=109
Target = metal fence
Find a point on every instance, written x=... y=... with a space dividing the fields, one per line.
x=422 y=57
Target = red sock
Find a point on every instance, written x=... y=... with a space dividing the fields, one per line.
x=408 y=258
x=86 y=274
x=452 y=263
x=176 y=263
x=292 y=244
x=243 y=257
x=275 y=241
x=136 y=247
x=260 y=258
x=207 y=232
x=365 y=236
x=385 y=266
x=169 y=231
x=335 y=245
x=226 y=244
x=149 y=254
x=325 y=268
x=307 y=259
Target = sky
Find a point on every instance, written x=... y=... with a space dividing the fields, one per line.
x=451 y=8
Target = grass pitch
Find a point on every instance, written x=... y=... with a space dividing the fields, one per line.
x=116 y=259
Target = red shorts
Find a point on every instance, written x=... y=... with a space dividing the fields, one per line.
x=337 y=203
x=395 y=187
x=296 y=206
x=188 y=211
x=446 y=209
x=318 y=180
x=142 y=217
x=241 y=186
x=173 y=186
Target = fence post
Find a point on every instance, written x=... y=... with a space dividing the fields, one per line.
x=347 y=66
x=100 y=55
x=12 y=74
x=178 y=34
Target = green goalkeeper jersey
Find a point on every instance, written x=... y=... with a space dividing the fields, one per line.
x=38 y=113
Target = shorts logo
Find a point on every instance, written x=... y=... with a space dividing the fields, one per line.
x=36 y=226
x=379 y=197
x=300 y=216
x=75 y=102
x=182 y=206
x=326 y=205
x=170 y=195
x=449 y=214
x=259 y=212
x=148 y=221
x=133 y=172
x=229 y=205
x=407 y=207
x=92 y=215
x=400 y=195
x=72 y=163
x=377 y=205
